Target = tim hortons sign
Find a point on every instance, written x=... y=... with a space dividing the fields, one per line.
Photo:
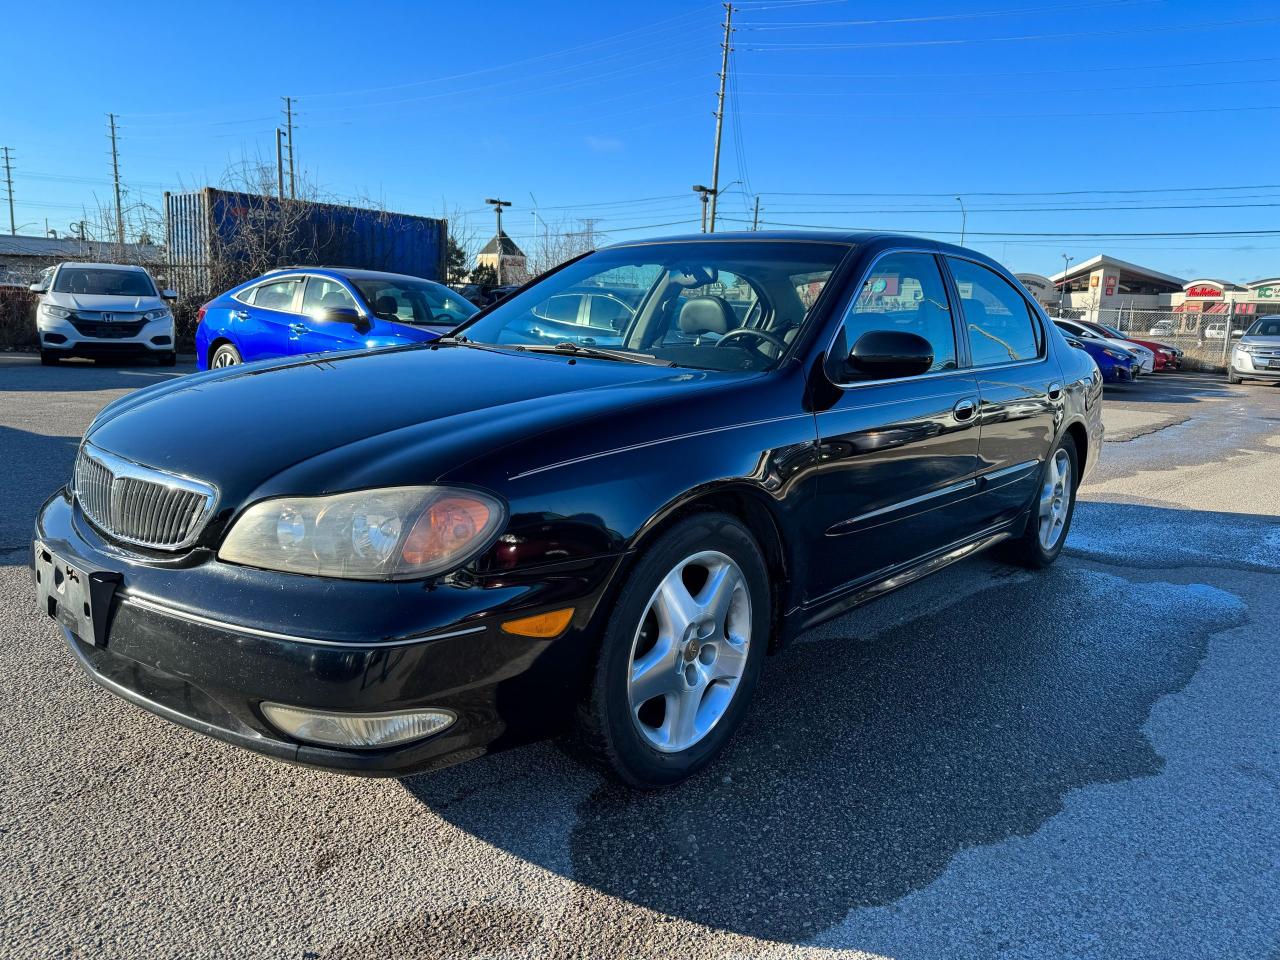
x=1204 y=291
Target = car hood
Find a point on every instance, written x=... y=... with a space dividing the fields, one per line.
x=343 y=421
x=1261 y=341
x=96 y=302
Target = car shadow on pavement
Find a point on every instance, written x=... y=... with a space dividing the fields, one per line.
x=25 y=374
x=34 y=466
x=872 y=757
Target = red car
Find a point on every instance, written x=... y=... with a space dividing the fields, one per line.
x=1167 y=357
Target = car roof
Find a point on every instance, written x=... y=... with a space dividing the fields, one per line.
x=351 y=273
x=846 y=237
x=129 y=267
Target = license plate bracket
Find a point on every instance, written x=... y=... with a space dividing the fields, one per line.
x=76 y=595
x=1273 y=364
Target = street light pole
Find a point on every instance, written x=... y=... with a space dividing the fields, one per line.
x=497 y=209
x=704 y=194
x=964 y=219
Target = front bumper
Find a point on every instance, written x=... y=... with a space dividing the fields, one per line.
x=1255 y=374
x=94 y=339
x=440 y=647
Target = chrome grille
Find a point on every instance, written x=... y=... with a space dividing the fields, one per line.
x=138 y=504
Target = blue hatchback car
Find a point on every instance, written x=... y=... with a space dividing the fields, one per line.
x=319 y=309
x=1115 y=365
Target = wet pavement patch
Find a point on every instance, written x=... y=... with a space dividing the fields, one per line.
x=869 y=763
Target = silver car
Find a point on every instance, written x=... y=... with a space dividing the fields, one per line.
x=1257 y=354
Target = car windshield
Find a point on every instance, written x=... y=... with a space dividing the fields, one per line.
x=406 y=300
x=1111 y=332
x=102 y=281
x=707 y=304
x=1265 y=328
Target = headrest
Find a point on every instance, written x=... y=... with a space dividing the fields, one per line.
x=386 y=306
x=707 y=315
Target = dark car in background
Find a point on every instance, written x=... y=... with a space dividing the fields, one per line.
x=419 y=555
x=300 y=310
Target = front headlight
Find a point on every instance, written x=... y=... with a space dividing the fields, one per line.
x=52 y=310
x=393 y=533
x=161 y=314
x=1115 y=354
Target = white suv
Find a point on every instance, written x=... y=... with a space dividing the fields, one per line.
x=103 y=310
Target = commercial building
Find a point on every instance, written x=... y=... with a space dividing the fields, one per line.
x=1105 y=285
x=23 y=258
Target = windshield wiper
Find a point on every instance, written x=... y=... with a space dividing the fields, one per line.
x=599 y=353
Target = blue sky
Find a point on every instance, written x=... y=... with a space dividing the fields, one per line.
x=845 y=113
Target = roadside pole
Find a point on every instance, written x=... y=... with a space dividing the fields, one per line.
x=1226 y=334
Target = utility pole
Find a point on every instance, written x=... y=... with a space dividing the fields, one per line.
x=755 y=217
x=115 y=177
x=1066 y=265
x=704 y=194
x=497 y=209
x=288 y=122
x=8 y=181
x=724 y=74
x=279 y=163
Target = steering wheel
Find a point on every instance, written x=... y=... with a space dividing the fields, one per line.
x=765 y=335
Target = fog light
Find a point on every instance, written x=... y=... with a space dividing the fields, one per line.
x=357 y=731
x=54 y=338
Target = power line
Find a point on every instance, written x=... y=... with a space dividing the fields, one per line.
x=1173 y=234
x=1021 y=38
x=1035 y=193
x=1074 y=71
x=976 y=15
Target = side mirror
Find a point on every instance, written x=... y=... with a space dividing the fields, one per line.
x=169 y=294
x=1073 y=342
x=888 y=354
x=36 y=287
x=339 y=315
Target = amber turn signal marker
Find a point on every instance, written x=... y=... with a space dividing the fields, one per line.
x=540 y=625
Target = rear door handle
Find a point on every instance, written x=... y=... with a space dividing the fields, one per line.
x=1055 y=391
x=964 y=410
x=240 y=314
x=298 y=328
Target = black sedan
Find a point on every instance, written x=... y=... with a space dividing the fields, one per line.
x=381 y=563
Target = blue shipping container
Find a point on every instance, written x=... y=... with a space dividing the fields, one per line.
x=216 y=238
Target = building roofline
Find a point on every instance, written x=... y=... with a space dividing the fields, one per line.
x=1105 y=260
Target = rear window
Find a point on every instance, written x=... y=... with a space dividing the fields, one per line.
x=104 y=282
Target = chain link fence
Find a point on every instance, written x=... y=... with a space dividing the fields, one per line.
x=1205 y=337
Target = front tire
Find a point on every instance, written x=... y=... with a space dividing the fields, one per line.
x=1050 y=516
x=48 y=358
x=170 y=359
x=1231 y=377
x=681 y=654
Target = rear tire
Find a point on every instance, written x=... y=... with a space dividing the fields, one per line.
x=1049 y=519
x=680 y=655
x=48 y=358
x=225 y=356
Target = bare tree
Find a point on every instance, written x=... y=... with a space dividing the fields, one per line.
x=558 y=242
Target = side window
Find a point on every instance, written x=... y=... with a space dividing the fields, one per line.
x=322 y=293
x=563 y=308
x=904 y=292
x=608 y=312
x=1000 y=326
x=276 y=295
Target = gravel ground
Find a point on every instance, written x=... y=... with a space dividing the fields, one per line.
x=1077 y=763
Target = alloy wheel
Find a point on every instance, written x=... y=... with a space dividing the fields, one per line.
x=690 y=651
x=224 y=358
x=1055 y=499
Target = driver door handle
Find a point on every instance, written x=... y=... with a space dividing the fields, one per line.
x=964 y=410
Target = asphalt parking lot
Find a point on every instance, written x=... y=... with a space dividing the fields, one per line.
x=1083 y=762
